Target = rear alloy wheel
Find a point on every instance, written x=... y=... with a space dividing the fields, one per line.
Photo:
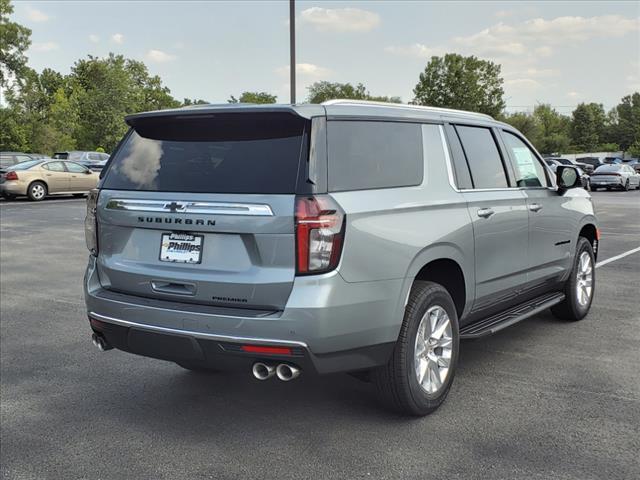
x=419 y=374
x=37 y=191
x=580 y=287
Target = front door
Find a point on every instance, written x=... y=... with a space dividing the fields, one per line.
x=550 y=228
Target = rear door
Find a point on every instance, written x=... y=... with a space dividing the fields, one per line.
x=57 y=177
x=500 y=220
x=550 y=223
x=201 y=209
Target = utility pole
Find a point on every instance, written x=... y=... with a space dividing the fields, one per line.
x=292 y=49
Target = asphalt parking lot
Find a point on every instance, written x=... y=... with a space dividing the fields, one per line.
x=543 y=399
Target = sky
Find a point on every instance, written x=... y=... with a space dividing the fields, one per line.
x=561 y=53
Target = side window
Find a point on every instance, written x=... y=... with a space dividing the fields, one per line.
x=104 y=156
x=528 y=169
x=74 y=167
x=54 y=166
x=365 y=155
x=6 y=161
x=483 y=156
x=94 y=156
x=22 y=158
x=460 y=166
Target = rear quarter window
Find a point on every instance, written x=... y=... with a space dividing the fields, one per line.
x=371 y=154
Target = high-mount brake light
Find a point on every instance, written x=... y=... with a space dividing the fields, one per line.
x=319 y=234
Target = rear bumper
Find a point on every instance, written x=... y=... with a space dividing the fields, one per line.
x=13 y=188
x=329 y=325
x=595 y=182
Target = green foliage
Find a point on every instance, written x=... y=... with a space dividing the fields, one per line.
x=322 y=91
x=634 y=149
x=254 y=97
x=465 y=83
x=545 y=128
x=14 y=134
x=192 y=101
x=587 y=126
x=624 y=122
x=526 y=124
x=99 y=149
x=14 y=41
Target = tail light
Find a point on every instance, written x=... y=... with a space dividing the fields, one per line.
x=319 y=234
x=91 y=222
x=11 y=176
x=609 y=174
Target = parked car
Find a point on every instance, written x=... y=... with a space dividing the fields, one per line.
x=8 y=159
x=565 y=161
x=93 y=160
x=39 y=178
x=612 y=160
x=617 y=175
x=349 y=236
x=593 y=161
x=635 y=166
x=584 y=177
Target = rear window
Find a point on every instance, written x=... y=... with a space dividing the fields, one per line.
x=26 y=165
x=365 y=155
x=221 y=153
x=609 y=168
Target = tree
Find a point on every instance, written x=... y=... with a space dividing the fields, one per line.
x=465 y=83
x=587 y=126
x=322 y=91
x=192 y=101
x=253 y=97
x=553 y=130
x=624 y=122
x=14 y=41
x=526 y=124
x=634 y=149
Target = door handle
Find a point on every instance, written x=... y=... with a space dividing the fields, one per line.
x=485 y=212
x=534 y=207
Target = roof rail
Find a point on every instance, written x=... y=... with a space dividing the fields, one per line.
x=371 y=103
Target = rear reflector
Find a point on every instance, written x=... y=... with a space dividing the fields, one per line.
x=268 y=350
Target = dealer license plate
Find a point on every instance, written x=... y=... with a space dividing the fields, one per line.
x=181 y=248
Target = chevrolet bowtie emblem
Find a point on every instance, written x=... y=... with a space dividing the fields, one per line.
x=175 y=207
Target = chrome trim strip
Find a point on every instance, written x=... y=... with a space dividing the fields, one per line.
x=206 y=336
x=168 y=206
x=447 y=158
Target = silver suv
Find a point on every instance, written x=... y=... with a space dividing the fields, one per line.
x=344 y=237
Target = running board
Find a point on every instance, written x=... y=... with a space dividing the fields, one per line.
x=497 y=322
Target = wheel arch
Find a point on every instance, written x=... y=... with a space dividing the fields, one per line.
x=590 y=231
x=447 y=265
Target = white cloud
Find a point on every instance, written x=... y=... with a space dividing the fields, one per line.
x=118 y=38
x=158 y=56
x=93 y=38
x=416 y=50
x=36 y=15
x=341 y=19
x=573 y=95
x=45 y=47
x=305 y=69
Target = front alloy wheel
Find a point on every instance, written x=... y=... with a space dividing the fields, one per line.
x=580 y=287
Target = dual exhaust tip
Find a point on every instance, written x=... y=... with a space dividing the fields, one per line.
x=284 y=371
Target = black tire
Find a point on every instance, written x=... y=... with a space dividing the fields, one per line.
x=626 y=186
x=571 y=308
x=396 y=383
x=33 y=192
x=194 y=367
x=79 y=195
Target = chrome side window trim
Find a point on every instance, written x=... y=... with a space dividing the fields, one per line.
x=445 y=147
x=168 y=206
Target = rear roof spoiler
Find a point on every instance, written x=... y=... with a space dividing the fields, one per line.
x=305 y=111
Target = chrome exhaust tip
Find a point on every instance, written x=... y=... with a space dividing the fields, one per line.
x=100 y=342
x=262 y=371
x=286 y=372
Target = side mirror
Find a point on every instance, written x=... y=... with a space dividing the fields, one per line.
x=88 y=172
x=567 y=177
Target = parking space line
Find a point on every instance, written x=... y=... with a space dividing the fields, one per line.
x=617 y=257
